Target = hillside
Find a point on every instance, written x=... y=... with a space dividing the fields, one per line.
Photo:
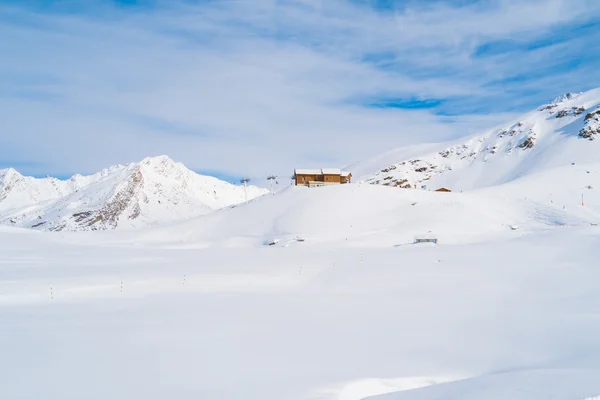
x=557 y=134
x=155 y=190
x=506 y=319
x=363 y=215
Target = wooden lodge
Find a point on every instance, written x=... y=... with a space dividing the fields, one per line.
x=321 y=177
x=426 y=239
x=443 y=189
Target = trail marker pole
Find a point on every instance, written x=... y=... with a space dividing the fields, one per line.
x=51 y=293
x=121 y=286
x=184 y=277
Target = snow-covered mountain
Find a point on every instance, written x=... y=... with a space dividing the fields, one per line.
x=561 y=133
x=153 y=191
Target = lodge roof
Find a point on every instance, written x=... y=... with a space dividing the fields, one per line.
x=320 y=171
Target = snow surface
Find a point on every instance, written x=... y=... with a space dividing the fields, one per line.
x=504 y=319
x=155 y=190
x=308 y=171
x=344 y=307
x=359 y=215
x=320 y=171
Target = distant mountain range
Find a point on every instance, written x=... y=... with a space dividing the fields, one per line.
x=153 y=191
x=563 y=132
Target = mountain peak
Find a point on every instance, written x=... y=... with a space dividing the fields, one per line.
x=163 y=166
x=565 y=97
x=9 y=173
x=153 y=160
x=551 y=136
x=154 y=190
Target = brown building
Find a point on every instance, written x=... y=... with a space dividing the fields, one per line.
x=321 y=177
x=443 y=189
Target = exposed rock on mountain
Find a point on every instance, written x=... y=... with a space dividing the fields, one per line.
x=547 y=137
x=592 y=125
x=153 y=191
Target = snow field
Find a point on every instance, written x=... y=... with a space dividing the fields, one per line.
x=361 y=215
x=517 y=318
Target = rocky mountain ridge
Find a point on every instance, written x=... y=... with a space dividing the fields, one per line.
x=153 y=191
x=555 y=134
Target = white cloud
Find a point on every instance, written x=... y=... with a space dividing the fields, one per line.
x=249 y=87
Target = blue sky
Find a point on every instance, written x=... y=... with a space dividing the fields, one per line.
x=254 y=87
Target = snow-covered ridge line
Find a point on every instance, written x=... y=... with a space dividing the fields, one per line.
x=552 y=135
x=152 y=191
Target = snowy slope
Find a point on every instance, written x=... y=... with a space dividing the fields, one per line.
x=155 y=190
x=511 y=319
x=557 y=134
x=526 y=384
x=17 y=190
x=363 y=215
x=349 y=216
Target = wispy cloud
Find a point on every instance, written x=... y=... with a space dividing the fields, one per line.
x=256 y=87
